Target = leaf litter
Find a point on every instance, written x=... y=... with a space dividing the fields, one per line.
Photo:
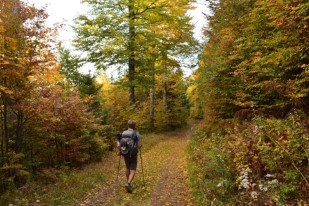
x=165 y=175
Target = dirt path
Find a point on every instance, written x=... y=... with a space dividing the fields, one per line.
x=165 y=172
x=172 y=188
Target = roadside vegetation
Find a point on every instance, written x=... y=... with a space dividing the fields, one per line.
x=251 y=92
x=95 y=184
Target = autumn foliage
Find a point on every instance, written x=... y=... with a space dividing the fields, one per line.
x=43 y=123
x=250 y=93
x=53 y=117
x=252 y=90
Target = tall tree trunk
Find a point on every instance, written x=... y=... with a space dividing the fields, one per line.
x=152 y=107
x=5 y=126
x=19 y=138
x=1 y=130
x=164 y=65
x=152 y=98
x=131 y=50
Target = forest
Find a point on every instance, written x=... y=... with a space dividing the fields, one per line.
x=245 y=105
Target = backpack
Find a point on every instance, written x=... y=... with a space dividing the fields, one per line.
x=128 y=143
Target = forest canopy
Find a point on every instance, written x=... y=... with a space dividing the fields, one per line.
x=246 y=103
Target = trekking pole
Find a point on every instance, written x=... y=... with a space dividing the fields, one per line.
x=142 y=166
x=117 y=181
x=118 y=169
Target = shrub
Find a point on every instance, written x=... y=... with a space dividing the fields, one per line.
x=261 y=162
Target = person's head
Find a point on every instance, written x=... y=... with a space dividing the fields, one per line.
x=131 y=124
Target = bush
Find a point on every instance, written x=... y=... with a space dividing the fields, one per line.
x=211 y=173
x=261 y=162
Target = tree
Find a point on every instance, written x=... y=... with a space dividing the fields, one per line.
x=70 y=65
x=171 y=112
x=271 y=58
x=252 y=85
x=24 y=41
x=253 y=63
x=42 y=124
x=120 y=32
x=216 y=86
x=86 y=84
x=25 y=52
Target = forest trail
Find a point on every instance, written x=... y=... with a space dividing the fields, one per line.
x=165 y=172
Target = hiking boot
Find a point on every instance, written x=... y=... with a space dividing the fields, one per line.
x=129 y=188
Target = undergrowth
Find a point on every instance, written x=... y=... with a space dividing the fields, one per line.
x=258 y=162
x=66 y=185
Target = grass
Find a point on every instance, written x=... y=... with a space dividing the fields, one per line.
x=69 y=186
x=72 y=185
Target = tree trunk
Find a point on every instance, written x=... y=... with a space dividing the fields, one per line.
x=5 y=127
x=19 y=138
x=152 y=98
x=164 y=65
x=1 y=130
x=131 y=50
x=152 y=108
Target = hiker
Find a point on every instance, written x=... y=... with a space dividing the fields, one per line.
x=129 y=143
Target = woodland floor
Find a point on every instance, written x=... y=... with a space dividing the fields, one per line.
x=165 y=174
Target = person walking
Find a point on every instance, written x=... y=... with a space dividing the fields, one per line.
x=129 y=143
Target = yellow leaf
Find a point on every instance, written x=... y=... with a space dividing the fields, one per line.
x=5 y=90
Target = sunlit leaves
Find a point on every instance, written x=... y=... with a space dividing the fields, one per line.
x=42 y=123
x=272 y=55
x=132 y=34
x=255 y=63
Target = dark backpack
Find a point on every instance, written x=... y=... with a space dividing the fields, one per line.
x=128 y=143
